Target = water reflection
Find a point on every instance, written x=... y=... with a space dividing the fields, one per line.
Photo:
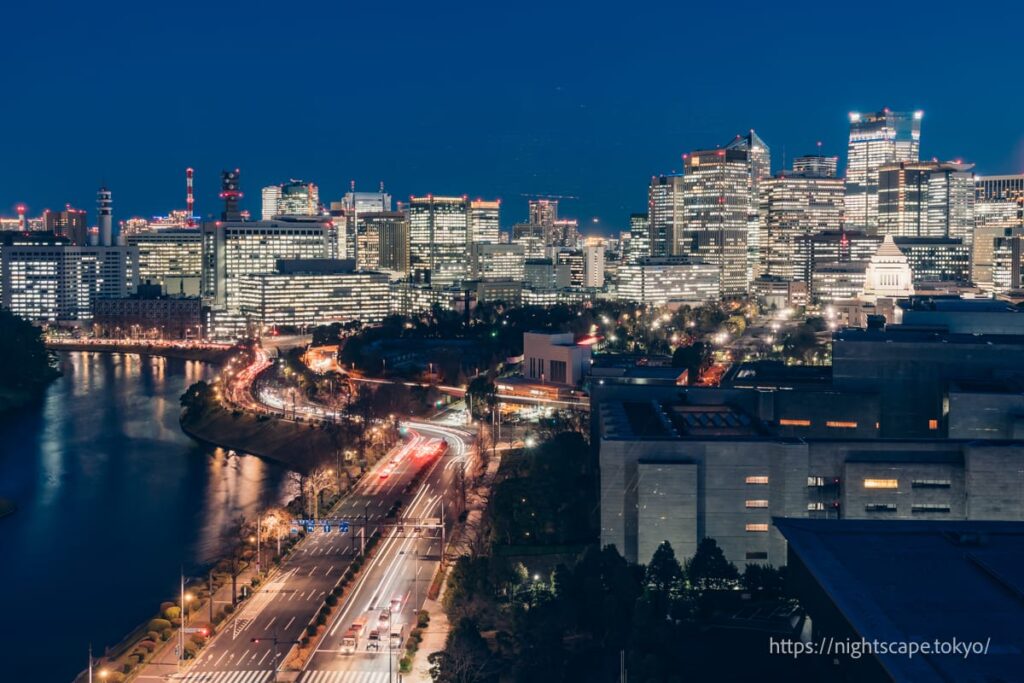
x=112 y=499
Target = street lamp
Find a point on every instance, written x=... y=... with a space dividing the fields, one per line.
x=188 y=599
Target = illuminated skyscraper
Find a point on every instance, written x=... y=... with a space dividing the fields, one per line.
x=716 y=196
x=876 y=139
x=543 y=211
x=998 y=220
x=794 y=205
x=390 y=229
x=484 y=221
x=271 y=195
x=926 y=199
x=438 y=227
x=665 y=213
x=638 y=246
x=759 y=161
x=69 y=223
x=816 y=165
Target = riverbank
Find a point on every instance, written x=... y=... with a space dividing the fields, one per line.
x=297 y=445
x=216 y=355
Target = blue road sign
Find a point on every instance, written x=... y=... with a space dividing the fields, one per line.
x=343 y=527
x=309 y=528
x=327 y=527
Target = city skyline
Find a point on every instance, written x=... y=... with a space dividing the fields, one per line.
x=520 y=128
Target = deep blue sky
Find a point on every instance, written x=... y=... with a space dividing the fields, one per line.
x=480 y=98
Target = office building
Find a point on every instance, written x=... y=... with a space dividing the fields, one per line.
x=638 y=246
x=573 y=259
x=668 y=280
x=563 y=233
x=759 y=163
x=926 y=199
x=545 y=274
x=148 y=314
x=1007 y=262
x=171 y=258
x=532 y=237
x=717 y=202
x=232 y=249
x=69 y=223
x=484 y=221
x=1000 y=188
x=909 y=423
x=438 y=229
x=936 y=259
x=392 y=230
x=554 y=359
x=794 y=206
x=998 y=212
x=816 y=165
x=46 y=279
x=665 y=214
x=832 y=246
x=543 y=211
x=271 y=196
x=105 y=217
x=294 y=198
x=593 y=263
x=885 y=137
x=497 y=262
x=304 y=293
x=838 y=281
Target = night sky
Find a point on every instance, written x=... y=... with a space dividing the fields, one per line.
x=485 y=99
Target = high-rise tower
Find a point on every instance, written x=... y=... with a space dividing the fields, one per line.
x=104 y=211
x=885 y=137
x=231 y=193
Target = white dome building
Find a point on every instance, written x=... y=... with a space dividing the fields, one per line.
x=888 y=274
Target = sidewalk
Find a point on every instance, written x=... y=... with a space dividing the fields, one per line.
x=165 y=661
x=436 y=632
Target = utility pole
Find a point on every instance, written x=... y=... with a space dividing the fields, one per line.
x=209 y=583
x=181 y=628
x=90 y=662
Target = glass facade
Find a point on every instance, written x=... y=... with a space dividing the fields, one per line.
x=717 y=201
x=884 y=137
x=438 y=230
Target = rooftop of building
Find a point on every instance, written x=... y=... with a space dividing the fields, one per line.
x=906 y=334
x=955 y=304
x=315 y=266
x=776 y=374
x=921 y=581
x=673 y=420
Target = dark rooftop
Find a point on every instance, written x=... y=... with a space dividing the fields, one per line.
x=921 y=581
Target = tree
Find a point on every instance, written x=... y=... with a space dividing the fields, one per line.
x=765 y=579
x=26 y=362
x=465 y=658
x=709 y=570
x=664 y=574
x=482 y=395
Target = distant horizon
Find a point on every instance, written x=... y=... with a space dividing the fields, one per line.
x=455 y=98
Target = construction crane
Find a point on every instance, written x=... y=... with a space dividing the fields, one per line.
x=548 y=196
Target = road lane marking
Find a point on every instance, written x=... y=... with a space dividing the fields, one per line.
x=289 y=623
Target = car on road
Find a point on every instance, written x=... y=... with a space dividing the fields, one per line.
x=397 y=636
x=373 y=641
x=350 y=641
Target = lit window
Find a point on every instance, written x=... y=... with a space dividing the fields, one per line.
x=933 y=424
x=837 y=424
x=757 y=480
x=795 y=423
x=879 y=507
x=815 y=506
x=881 y=483
x=757 y=527
x=757 y=503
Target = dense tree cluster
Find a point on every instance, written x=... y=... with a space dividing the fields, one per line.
x=27 y=365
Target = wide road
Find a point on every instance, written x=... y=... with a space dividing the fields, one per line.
x=393 y=587
x=287 y=605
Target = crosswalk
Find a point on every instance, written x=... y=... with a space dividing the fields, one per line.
x=346 y=677
x=228 y=677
